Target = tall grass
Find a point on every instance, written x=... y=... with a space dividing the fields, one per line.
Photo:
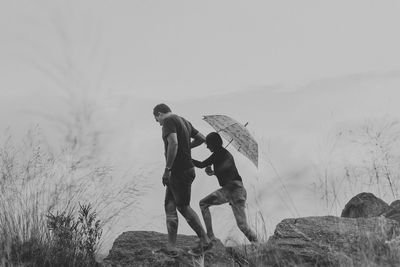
x=364 y=157
x=38 y=185
x=358 y=158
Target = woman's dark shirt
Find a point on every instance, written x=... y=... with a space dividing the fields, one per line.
x=223 y=164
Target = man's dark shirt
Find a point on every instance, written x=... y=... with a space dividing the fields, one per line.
x=223 y=164
x=184 y=131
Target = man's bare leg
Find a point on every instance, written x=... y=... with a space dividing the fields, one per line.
x=194 y=222
x=172 y=222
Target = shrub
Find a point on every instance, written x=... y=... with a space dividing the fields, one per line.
x=74 y=241
x=40 y=189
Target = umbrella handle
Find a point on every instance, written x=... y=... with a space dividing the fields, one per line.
x=229 y=143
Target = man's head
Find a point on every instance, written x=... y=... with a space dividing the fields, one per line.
x=213 y=141
x=160 y=111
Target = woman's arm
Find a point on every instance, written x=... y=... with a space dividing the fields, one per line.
x=198 y=164
x=205 y=163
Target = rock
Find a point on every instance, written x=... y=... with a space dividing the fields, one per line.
x=325 y=241
x=139 y=249
x=367 y=205
x=366 y=234
x=395 y=205
x=364 y=205
x=394 y=211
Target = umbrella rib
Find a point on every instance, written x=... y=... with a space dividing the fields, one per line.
x=222 y=129
x=232 y=138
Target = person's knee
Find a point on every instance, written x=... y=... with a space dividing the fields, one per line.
x=169 y=207
x=171 y=216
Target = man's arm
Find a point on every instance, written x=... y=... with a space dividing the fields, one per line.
x=198 y=139
x=172 y=149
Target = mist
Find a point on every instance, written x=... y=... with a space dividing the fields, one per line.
x=307 y=83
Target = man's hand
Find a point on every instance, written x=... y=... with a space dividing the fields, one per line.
x=209 y=171
x=166 y=177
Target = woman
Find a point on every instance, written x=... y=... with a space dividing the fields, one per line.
x=231 y=191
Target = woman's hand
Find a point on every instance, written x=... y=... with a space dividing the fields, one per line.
x=209 y=171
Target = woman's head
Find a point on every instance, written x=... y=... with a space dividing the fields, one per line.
x=213 y=141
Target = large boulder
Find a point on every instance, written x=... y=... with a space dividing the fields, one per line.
x=142 y=248
x=364 y=205
x=367 y=205
x=326 y=241
x=394 y=211
x=395 y=205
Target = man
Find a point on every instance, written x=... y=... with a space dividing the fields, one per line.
x=179 y=173
x=231 y=191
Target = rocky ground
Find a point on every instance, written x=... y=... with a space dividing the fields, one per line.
x=367 y=234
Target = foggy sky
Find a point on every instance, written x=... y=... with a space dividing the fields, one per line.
x=184 y=49
x=297 y=71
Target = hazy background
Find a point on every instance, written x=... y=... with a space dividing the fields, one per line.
x=301 y=73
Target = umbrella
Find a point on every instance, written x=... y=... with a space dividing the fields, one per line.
x=236 y=133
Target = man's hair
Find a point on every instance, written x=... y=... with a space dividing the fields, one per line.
x=161 y=108
x=214 y=140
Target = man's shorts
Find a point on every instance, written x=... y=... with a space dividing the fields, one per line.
x=180 y=186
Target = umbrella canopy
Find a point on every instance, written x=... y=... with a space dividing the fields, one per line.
x=235 y=133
